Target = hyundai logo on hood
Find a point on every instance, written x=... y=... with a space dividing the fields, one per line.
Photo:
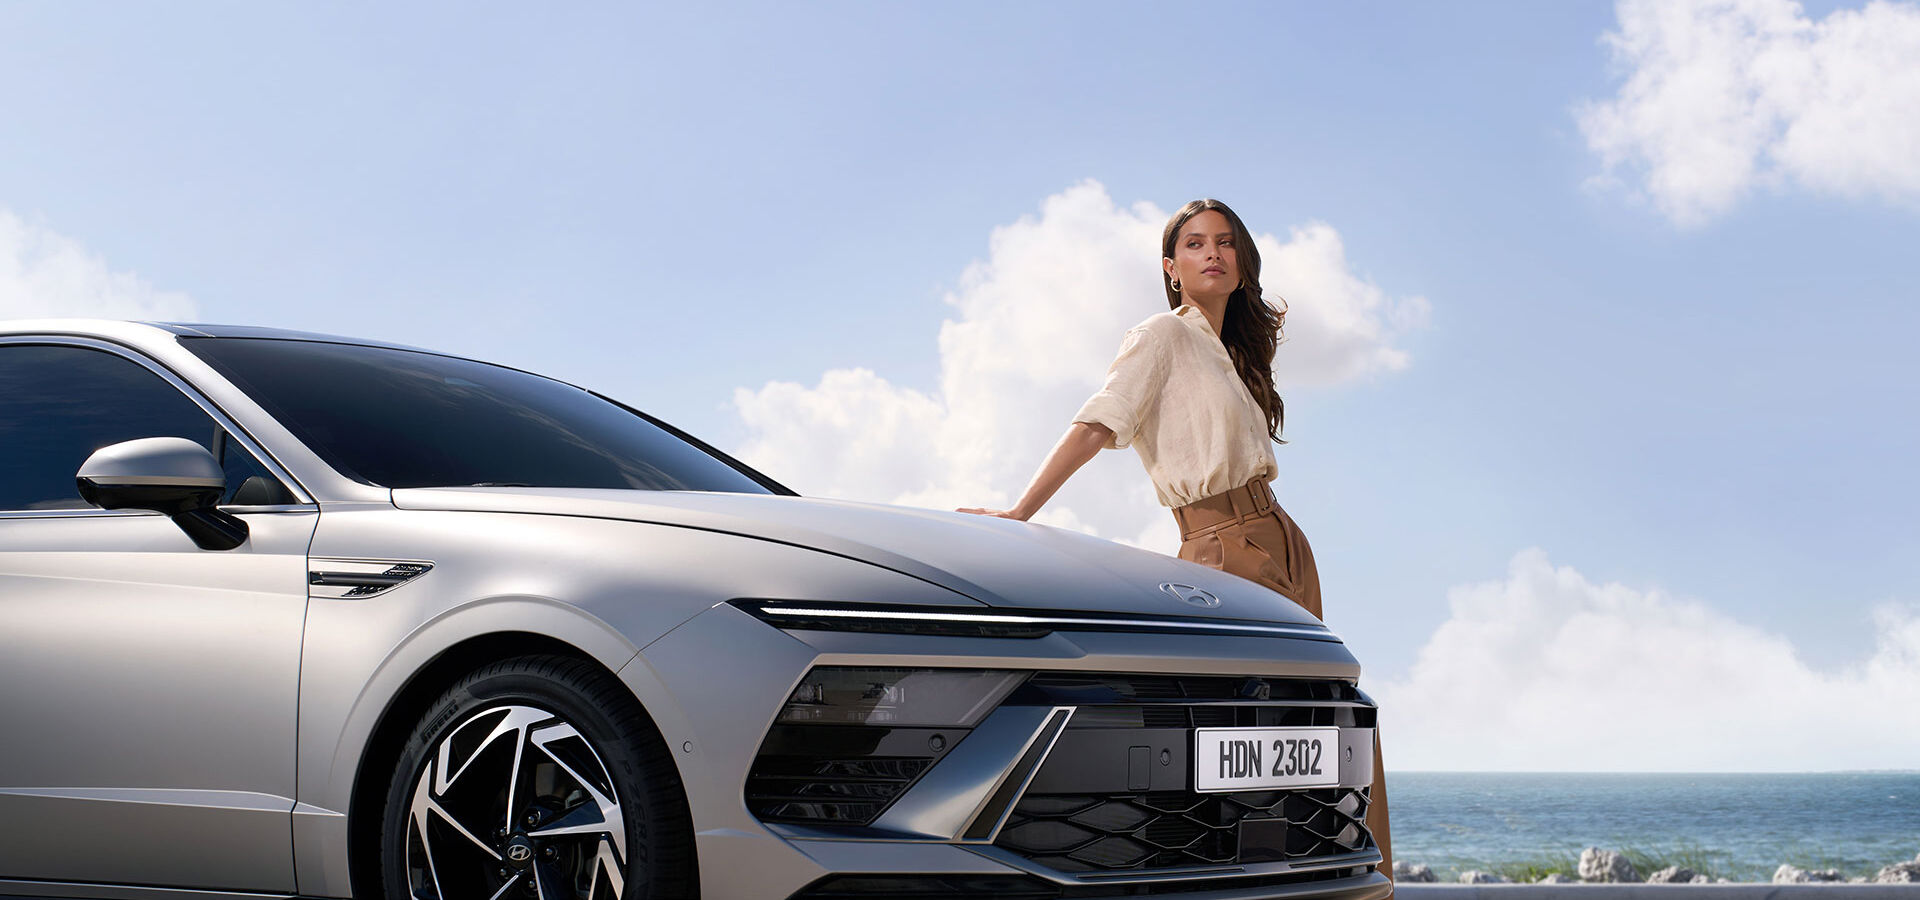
x=1187 y=593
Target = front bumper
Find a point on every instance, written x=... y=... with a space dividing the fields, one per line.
x=1001 y=804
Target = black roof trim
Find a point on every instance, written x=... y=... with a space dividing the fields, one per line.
x=198 y=329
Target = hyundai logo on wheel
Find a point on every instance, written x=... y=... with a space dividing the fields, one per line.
x=1187 y=593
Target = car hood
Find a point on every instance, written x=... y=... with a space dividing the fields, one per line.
x=998 y=562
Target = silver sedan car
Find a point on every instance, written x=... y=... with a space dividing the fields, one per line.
x=293 y=615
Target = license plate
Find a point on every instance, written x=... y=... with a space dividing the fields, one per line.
x=1253 y=759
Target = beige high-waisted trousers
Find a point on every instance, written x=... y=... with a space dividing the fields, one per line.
x=1243 y=531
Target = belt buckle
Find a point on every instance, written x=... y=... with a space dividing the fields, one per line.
x=1262 y=498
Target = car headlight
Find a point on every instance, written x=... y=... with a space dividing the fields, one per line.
x=984 y=622
x=941 y=698
x=939 y=621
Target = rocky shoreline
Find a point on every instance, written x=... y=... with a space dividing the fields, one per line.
x=1599 y=866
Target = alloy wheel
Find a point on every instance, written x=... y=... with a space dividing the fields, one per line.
x=515 y=803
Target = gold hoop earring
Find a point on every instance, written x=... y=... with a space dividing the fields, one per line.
x=1176 y=285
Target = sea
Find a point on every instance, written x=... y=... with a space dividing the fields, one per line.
x=1736 y=826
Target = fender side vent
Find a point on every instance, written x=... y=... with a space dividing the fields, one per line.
x=355 y=578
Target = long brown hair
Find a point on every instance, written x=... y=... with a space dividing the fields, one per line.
x=1253 y=327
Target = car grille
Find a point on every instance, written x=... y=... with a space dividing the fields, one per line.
x=1205 y=716
x=1069 y=823
x=1090 y=833
x=1103 y=688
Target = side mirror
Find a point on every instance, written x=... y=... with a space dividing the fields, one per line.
x=170 y=475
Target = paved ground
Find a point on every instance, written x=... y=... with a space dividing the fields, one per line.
x=1658 y=891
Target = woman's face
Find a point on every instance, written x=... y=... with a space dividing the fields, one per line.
x=1204 y=261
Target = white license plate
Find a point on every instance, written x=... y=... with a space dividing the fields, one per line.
x=1253 y=759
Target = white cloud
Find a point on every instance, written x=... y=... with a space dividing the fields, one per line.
x=1721 y=95
x=1035 y=325
x=46 y=274
x=1547 y=671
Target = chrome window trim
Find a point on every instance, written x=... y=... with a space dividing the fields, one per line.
x=90 y=512
x=95 y=512
x=302 y=496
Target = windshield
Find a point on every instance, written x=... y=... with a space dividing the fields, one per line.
x=402 y=419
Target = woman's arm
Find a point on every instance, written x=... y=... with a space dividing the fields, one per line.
x=1079 y=444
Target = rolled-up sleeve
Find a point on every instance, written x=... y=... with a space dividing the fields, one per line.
x=1133 y=383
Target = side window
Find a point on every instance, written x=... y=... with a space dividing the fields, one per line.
x=59 y=404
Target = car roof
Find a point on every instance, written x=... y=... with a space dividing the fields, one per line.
x=152 y=336
x=136 y=332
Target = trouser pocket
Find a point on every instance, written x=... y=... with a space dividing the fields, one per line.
x=1260 y=551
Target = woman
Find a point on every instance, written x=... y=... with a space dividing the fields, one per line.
x=1192 y=392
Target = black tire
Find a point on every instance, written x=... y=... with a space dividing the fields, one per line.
x=565 y=739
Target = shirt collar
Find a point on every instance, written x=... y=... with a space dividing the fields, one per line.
x=1195 y=317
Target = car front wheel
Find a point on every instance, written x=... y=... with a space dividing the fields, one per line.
x=535 y=777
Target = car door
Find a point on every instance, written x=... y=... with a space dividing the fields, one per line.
x=147 y=687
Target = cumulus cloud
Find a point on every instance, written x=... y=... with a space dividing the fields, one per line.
x=47 y=274
x=1034 y=326
x=1722 y=95
x=1548 y=671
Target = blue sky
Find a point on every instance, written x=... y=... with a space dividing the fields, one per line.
x=673 y=204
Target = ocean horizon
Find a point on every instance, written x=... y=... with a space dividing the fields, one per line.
x=1736 y=825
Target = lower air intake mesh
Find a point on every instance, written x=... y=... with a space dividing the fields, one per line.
x=1107 y=832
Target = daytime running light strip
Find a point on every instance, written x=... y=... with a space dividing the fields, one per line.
x=989 y=619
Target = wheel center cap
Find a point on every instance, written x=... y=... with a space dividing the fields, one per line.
x=520 y=851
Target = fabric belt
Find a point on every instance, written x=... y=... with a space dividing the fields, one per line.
x=1232 y=507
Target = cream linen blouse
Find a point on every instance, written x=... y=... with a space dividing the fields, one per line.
x=1173 y=394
